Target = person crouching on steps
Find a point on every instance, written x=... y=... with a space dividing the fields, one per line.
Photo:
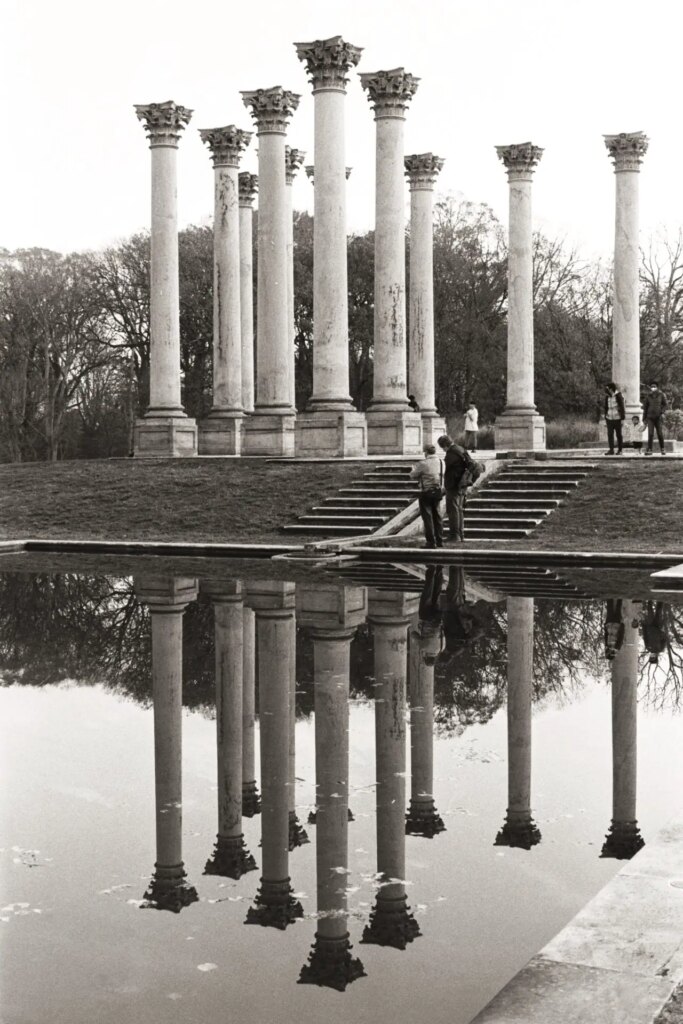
x=615 y=414
x=429 y=472
x=457 y=463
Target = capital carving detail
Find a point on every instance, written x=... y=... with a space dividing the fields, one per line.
x=226 y=144
x=422 y=170
x=328 y=62
x=389 y=92
x=247 y=187
x=293 y=161
x=520 y=160
x=310 y=172
x=627 y=150
x=163 y=122
x=271 y=109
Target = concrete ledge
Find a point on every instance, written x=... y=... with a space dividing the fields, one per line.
x=585 y=559
x=120 y=547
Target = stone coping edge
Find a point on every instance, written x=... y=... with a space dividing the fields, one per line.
x=597 y=559
x=618 y=960
x=116 y=547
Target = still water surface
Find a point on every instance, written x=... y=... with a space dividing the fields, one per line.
x=463 y=760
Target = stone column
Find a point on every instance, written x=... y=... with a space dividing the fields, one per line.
x=293 y=161
x=627 y=151
x=391 y=922
x=221 y=432
x=624 y=839
x=165 y=429
x=310 y=172
x=422 y=818
x=167 y=598
x=330 y=962
x=274 y=904
x=520 y=426
x=251 y=801
x=519 y=830
x=330 y=426
x=231 y=857
x=270 y=429
x=422 y=170
x=297 y=833
x=393 y=429
x=248 y=184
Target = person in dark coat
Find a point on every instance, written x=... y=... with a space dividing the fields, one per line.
x=615 y=414
x=456 y=462
x=614 y=628
x=654 y=407
x=654 y=630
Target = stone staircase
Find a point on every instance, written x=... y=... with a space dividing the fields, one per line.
x=509 y=505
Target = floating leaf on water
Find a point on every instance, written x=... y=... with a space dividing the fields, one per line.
x=207 y=967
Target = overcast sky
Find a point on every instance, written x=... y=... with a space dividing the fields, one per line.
x=74 y=170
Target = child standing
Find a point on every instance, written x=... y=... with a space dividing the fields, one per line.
x=635 y=434
x=471 y=427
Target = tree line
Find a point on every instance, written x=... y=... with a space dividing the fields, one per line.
x=74 y=329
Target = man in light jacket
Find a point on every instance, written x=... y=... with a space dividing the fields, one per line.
x=429 y=472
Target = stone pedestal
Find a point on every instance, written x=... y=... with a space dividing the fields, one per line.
x=248 y=184
x=270 y=430
x=332 y=427
x=627 y=151
x=165 y=430
x=520 y=426
x=167 y=598
x=433 y=427
x=389 y=432
x=624 y=839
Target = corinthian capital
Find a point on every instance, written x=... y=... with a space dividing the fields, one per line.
x=163 y=122
x=520 y=160
x=247 y=186
x=390 y=92
x=226 y=144
x=627 y=150
x=271 y=109
x=293 y=161
x=422 y=170
x=328 y=62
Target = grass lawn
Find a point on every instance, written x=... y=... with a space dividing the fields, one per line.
x=632 y=506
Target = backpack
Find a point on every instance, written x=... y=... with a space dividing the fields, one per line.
x=473 y=472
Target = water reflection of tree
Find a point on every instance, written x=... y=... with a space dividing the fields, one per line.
x=92 y=629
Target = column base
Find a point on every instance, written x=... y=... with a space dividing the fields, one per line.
x=331 y=434
x=297 y=833
x=331 y=965
x=169 y=890
x=393 y=432
x=269 y=434
x=519 y=835
x=159 y=435
x=221 y=433
x=433 y=427
x=424 y=820
x=391 y=924
x=251 y=800
x=231 y=858
x=622 y=841
x=275 y=906
x=522 y=430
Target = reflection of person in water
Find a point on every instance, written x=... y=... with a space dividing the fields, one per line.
x=429 y=613
x=461 y=622
x=614 y=628
x=654 y=630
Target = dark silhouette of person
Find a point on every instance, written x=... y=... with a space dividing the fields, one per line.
x=460 y=620
x=614 y=628
x=654 y=630
x=412 y=402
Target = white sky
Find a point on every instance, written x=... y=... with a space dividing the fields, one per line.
x=75 y=166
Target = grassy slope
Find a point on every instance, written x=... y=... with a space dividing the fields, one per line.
x=630 y=506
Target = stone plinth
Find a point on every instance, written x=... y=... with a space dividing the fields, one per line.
x=270 y=434
x=520 y=431
x=433 y=427
x=333 y=433
x=157 y=435
x=392 y=432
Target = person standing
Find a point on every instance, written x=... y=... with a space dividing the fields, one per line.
x=457 y=462
x=429 y=472
x=614 y=628
x=654 y=408
x=615 y=414
x=471 y=427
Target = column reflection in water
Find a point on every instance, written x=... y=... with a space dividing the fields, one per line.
x=422 y=818
x=519 y=830
x=297 y=833
x=230 y=857
x=167 y=598
x=391 y=922
x=624 y=839
x=251 y=801
x=274 y=904
x=336 y=612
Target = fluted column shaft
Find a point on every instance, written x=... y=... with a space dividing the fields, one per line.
x=247 y=188
x=293 y=161
x=422 y=170
x=627 y=152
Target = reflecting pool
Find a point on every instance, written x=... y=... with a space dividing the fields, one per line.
x=373 y=795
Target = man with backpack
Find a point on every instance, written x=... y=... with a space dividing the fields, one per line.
x=460 y=472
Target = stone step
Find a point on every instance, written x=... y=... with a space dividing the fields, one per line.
x=358 y=491
x=535 y=471
x=385 y=484
x=504 y=492
x=335 y=520
x=503 y=483
x=498 y=512
x=531 y=481
x=535 y=504
x=343 y=531
x=393 y=475
x=359 y=510
x=497 y=533
x=383 y=503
